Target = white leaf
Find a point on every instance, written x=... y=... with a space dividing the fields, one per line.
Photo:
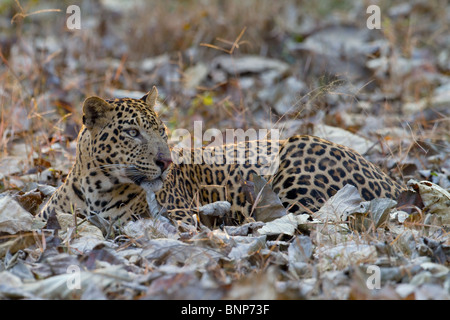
x=435 y=198
x=338 y=206
x=13 y=218
x=215 y=209
x=344 y=137
x=246 y=246
x=284 y=225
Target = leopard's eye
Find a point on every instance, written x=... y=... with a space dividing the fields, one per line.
x=162 y=131
x=132 y=132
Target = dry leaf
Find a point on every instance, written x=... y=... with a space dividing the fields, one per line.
x=268 y=206
x=284 y=225
x=435 y=198
x=13 y=218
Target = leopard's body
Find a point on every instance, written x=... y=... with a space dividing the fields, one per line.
x=123 y=144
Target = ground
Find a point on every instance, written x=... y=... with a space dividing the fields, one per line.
x=310 y=68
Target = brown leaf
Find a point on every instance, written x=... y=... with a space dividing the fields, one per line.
x=409 y=201
x=268 y=205
x=101 y=253
x=30 y=200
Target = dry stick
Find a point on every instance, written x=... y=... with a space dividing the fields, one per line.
x=120 y=67
x=234 y=45
x=23 y=15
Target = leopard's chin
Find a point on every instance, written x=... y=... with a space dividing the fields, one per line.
x=139 y=178
x=152 y=185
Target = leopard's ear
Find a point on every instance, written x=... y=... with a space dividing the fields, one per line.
x=150 y=97
x=95 y=111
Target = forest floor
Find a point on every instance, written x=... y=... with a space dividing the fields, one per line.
x=297 y=66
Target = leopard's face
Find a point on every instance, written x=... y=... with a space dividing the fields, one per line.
x=128 y=141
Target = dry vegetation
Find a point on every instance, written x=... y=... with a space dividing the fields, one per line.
x=300 y=66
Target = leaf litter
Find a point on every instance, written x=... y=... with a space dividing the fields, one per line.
x=377 y=92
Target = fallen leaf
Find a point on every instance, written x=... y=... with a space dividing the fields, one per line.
x=150 y=229
x=215 y=209
x=284 y=225
x=409 y=201
x=300 y=253
x=250 y=63
x=333 y=214
x=371 y=213
x=344 y=254
x=337 y=208
x=435 y=198
x=344 y=137
x=175 y=252
x=193 y=76
x=58 y=287
x=17 y=243
x=244 y=229
x=30 y=200
x=246 y=246
x=13 y=218
x=267 y=206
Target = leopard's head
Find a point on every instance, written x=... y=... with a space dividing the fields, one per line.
x=127 y=140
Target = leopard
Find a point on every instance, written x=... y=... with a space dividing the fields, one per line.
x=123 y=155
x=121 y=145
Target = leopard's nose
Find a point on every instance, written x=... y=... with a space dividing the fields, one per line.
x=163 y=163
